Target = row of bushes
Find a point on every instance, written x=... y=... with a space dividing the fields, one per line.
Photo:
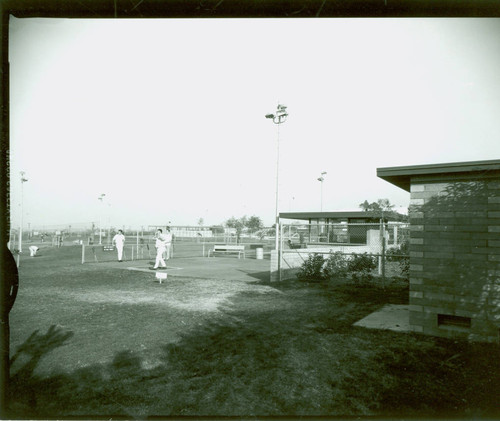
x=357 y=267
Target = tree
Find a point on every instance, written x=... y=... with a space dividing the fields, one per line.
x=365 y=206
x=238 y=224
x=385 y=204
x=378 y=206
x=234 y=223
x=201 y=222
x=254 y=223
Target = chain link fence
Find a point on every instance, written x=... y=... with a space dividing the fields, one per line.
x=385 y=242
x=186 y=242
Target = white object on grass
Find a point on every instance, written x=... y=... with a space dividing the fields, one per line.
x=161 y=275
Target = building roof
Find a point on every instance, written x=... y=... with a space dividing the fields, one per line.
x=401 y=176
x=393 y=216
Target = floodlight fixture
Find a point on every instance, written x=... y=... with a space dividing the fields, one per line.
x=280 y=116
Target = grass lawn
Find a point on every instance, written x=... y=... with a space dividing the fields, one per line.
x=90 y=340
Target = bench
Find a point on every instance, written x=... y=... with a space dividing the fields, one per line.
x=224 y=248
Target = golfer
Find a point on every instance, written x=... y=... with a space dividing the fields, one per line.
x=160 y=249
x=168 y=243
x=119 y=242
x=33 y=250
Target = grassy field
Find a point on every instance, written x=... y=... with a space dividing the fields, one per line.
x=91 y=340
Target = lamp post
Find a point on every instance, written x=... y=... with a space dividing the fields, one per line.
x=109 y=224
x=278 y=118
x=101 y=197
x=23 y=180
x=321 y=179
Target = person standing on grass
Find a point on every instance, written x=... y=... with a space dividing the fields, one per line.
x=168 y=243
x=160 y=249
x=119 y=242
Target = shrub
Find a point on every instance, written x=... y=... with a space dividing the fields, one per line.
x=335 y=266
x=401 y=255
x=312 y=268
x=360 y=266
x=395 y=253
x=404 y=265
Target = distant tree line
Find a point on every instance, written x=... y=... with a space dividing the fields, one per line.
x=378 y=206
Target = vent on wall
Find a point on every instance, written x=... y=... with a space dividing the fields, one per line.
x=455 y=321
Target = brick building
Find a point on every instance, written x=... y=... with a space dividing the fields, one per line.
x=454 y=247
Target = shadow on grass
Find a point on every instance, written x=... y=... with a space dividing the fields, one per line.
x=281 y=362
x=261 y=276
x=31 y=352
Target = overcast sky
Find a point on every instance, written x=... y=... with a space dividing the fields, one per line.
x=166 y=116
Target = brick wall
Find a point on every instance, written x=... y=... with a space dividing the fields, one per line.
x=455 y=257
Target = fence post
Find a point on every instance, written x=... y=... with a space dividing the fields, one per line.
x=280 y=250
x=83 y=252
x=382 y=232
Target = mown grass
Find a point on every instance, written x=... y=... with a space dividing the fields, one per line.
x=295 y=353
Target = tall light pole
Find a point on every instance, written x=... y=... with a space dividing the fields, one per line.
x=278 y=118
x=101 y=197
x=23 y=180
x=109 y=224
x=321 y=179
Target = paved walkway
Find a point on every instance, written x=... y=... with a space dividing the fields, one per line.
x=391 y=316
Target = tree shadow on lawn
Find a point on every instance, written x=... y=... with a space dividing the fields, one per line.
x=31 y=352
x=279 y=362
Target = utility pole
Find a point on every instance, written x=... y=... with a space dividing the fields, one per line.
x=100 y=198
x=23 y=180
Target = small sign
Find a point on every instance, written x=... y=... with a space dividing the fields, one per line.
x=161 y=276
x=108 y=248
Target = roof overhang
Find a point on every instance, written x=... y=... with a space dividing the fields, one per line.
x=305 y=216
x=402 y=176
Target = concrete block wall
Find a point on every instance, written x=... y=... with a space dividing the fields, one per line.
x=455 y=257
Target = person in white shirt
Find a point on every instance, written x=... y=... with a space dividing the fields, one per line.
x=33 y=250
x=168 y=243
x=119 y=242
x=160 y=249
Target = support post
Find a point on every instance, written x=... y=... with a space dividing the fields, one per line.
x=280 y=252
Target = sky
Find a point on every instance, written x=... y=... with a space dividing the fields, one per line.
x=166 y=117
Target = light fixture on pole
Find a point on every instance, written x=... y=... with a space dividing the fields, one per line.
x=278 y=118
x=23 y=180
x=321 y=179
x=101 y=197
